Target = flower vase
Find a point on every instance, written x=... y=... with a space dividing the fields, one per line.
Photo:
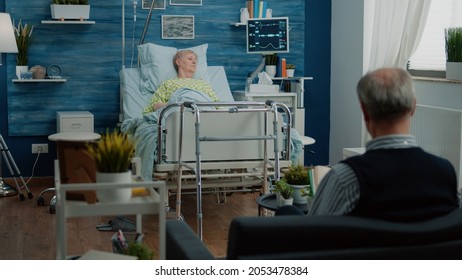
x=20 y=69
x=290 y=73
x=297 y=194
x=454 y=70
x=116 y=195
x=287 y=201
x=271 y=70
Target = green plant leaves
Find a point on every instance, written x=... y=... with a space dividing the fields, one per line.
x=297 y=175
x=23 y=35
x=112 y=153
x=453 y=38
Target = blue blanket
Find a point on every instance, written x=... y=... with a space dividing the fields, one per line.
x=144 y=130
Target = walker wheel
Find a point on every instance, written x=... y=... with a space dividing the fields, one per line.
x=30 y=195
x=40 y=201
x=52 y=209
x=22 y=197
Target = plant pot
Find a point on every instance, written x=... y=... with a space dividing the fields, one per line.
x=287 y=201
x=454 y=70
x=21 y=68
x=116 y=195
x=297 y=194
x=281 y=201
x=290 y=73
x=63 y=12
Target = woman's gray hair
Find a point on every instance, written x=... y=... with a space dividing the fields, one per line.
x=387 y=94
x=178 y=55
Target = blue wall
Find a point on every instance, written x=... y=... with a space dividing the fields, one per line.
x=317 y=65
x=90 y=56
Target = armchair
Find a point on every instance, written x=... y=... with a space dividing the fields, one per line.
x=326 y=237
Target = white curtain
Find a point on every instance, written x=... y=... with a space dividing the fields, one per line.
x=392 y=31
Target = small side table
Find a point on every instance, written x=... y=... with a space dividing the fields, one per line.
x=76 y=166
x=268 y=201
x=74 y=136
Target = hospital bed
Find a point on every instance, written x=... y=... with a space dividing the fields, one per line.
x=237 y=146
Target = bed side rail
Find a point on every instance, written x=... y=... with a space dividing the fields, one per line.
x=234 y=131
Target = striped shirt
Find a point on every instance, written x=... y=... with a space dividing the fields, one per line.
x=339 y=192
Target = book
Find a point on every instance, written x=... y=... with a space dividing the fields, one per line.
x=256 y=6
x=261 y=9
x=279 y=67
x=283 y=68
x=250 y=7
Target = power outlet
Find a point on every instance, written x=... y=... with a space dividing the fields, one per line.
x=39 y=148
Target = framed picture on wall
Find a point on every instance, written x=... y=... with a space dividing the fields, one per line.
x=186 y=2
x=158 y=4
x=177 y=27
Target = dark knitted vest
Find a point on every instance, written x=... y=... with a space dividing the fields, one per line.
x=404 y=185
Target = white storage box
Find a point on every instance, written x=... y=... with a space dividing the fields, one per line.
x=74 y=121
x=263 y=88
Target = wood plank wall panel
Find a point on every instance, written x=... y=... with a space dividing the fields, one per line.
x=90 y=56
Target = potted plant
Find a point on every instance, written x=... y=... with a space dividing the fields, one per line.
x=70 y=9
x=23 y=35
x=298 y=177
x=290 y=68
x=283 y=192
x=271 y=61
x=143 y=252
x=453 y=44
x=112 y=155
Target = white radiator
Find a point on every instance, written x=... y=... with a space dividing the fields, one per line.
x=439 y=131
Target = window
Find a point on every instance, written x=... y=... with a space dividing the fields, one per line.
x=431 y=54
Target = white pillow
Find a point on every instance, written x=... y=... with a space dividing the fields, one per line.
x=157 y=65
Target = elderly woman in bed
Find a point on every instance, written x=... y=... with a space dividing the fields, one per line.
x=184 y=62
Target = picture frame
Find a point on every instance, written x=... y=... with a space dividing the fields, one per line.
x=158 y=5
x=186 y=2
x=178 y=27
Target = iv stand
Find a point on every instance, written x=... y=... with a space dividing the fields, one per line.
x=255 y=73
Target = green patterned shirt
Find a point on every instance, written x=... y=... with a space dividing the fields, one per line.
x=168 y=87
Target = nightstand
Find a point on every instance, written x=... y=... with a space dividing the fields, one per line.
x=74 y=121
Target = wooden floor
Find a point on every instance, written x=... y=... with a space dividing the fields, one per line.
x=27 y=231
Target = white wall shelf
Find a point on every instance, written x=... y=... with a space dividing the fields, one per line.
x=68 y=22
x=238 y=24
x=39 y=80
x=292 y=78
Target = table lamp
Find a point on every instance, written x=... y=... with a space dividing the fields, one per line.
x=7 y=45
x=7 y=39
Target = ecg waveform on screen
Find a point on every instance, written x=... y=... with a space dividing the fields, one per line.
x=267 y=36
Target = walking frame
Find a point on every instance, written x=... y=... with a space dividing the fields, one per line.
x=199 y=109
x=13 y=168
